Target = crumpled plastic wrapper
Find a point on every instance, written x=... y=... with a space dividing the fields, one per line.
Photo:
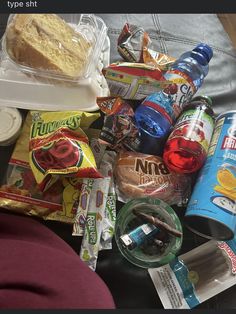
x=134 y=45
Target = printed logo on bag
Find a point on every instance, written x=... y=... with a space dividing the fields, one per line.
x=91 y=228
x=41 y=128
x=231 y=255
x=150 y=167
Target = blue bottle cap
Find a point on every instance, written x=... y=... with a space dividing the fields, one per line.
x=205 y=50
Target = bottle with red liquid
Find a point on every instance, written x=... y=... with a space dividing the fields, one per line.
x=186 y=148
x=158 y=112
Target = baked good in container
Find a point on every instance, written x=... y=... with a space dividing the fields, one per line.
x=47 y=42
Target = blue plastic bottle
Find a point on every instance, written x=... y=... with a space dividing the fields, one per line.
x=188 y=73
x=158 y=112
x=154 y=123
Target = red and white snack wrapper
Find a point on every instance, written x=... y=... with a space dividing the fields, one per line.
x=197 y=275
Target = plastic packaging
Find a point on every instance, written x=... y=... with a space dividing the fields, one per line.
x=188 y=73
x=119 y=131
x=130 y=42
x=90 y=245
x=85 y=201
x=197 y=275
x=10 y=125
x=38 y=81
x=141 y=175
x=153 y=123
x=71 y=193
x=59 y=147
x=106 y=168
x=133 y=80
x=48 y=45
x=109 y=219
x=157 y=59
x=134 y=45
x=186 y=148
x=83 y=205
x=19 y=191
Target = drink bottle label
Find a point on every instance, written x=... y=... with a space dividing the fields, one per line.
x=195 y=125
x=162 y=103
x=181 y=91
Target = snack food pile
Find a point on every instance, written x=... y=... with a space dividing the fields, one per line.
x=73 y=166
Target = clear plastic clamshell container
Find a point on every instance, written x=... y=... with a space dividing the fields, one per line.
x=53 y=62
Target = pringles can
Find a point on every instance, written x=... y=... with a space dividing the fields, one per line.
x=211 y=210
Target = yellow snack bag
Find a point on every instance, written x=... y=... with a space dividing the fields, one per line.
x=19 y=192
x=59 y=147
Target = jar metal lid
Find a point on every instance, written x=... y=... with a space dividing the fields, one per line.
x=204 y=98
x=10 y=125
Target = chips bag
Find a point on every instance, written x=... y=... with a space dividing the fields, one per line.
x=119 y=131
x=59 y=147
x=135 y=45
x=157 y=59
x=134 y=81
x=130 y=42
x=19 y=191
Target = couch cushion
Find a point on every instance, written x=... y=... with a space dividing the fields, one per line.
x=174 y=34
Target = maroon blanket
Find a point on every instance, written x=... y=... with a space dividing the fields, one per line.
x=40 y=271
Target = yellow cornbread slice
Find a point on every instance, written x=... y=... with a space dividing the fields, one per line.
x=45 y=41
